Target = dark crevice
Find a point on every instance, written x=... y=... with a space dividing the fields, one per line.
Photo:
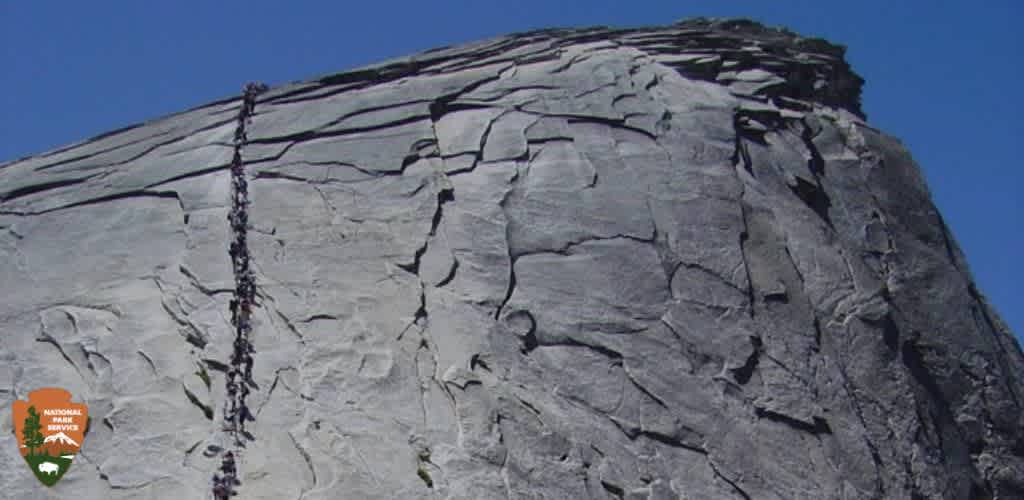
x=194 y=280
x=890 y=332
x=421 y=311
x=746 y=121
x=483 y=143
x=567 y=248
x=445 y=195
x=269 y=174
x=505 y=92
x=544 y=140
x=196 y=339
x=728 y=481
x=310 y=135
x=596 y=90
x=529 y=406
x=306 y=458
x=148 y=150
x=529 y=338
x=814 y=196
x=614 y=490
x=646 y=392
x=149 y=361
x=195 y=173
x=319 y=317
x=375 y=174
x=446 y=104
x=575 y=59
x=475 y=361
x=451 y=273
x=215 y=365
x=414 y=266
x=918 y=369
x=655 y=80
x=817 y=333
x=816 y=163
x=45 y=186
x=172 y=141
x=611 y=122
x=744 y=240
x=611 y=354
x=94 y=153
x=207 y=410
x=745 y=372
x=671 y=441
x=371 y=109
x=102 y=199
x=817 y=427
x=511 y=257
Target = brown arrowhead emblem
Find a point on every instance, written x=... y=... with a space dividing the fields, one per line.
x=49 y=429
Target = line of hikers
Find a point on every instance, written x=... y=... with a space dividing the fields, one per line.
x=239 y=375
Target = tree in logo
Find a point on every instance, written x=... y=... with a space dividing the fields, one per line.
x=33 y=438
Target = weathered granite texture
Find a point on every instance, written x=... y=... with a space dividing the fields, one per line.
x=663 y=263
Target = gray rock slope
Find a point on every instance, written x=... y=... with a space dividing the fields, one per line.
x=662 y=263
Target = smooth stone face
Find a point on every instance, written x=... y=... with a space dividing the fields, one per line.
x=660 y=263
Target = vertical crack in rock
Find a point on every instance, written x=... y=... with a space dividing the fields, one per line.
x=239 y=374
x=740 y=157
x=813 y=195
x=512 y=257
x=816 y=162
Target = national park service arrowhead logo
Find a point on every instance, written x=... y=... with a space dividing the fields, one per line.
x=50 y=429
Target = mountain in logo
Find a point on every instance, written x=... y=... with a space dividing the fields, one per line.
x=60 y=444
x=60 y=437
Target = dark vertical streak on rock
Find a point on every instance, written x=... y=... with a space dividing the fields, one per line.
x=816 y=163
x=744 y=239
x=512 y=257
x=740 y=156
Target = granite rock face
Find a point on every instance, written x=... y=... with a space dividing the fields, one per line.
x=663 y=263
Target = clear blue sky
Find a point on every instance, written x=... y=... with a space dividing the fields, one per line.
x=945 y=77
